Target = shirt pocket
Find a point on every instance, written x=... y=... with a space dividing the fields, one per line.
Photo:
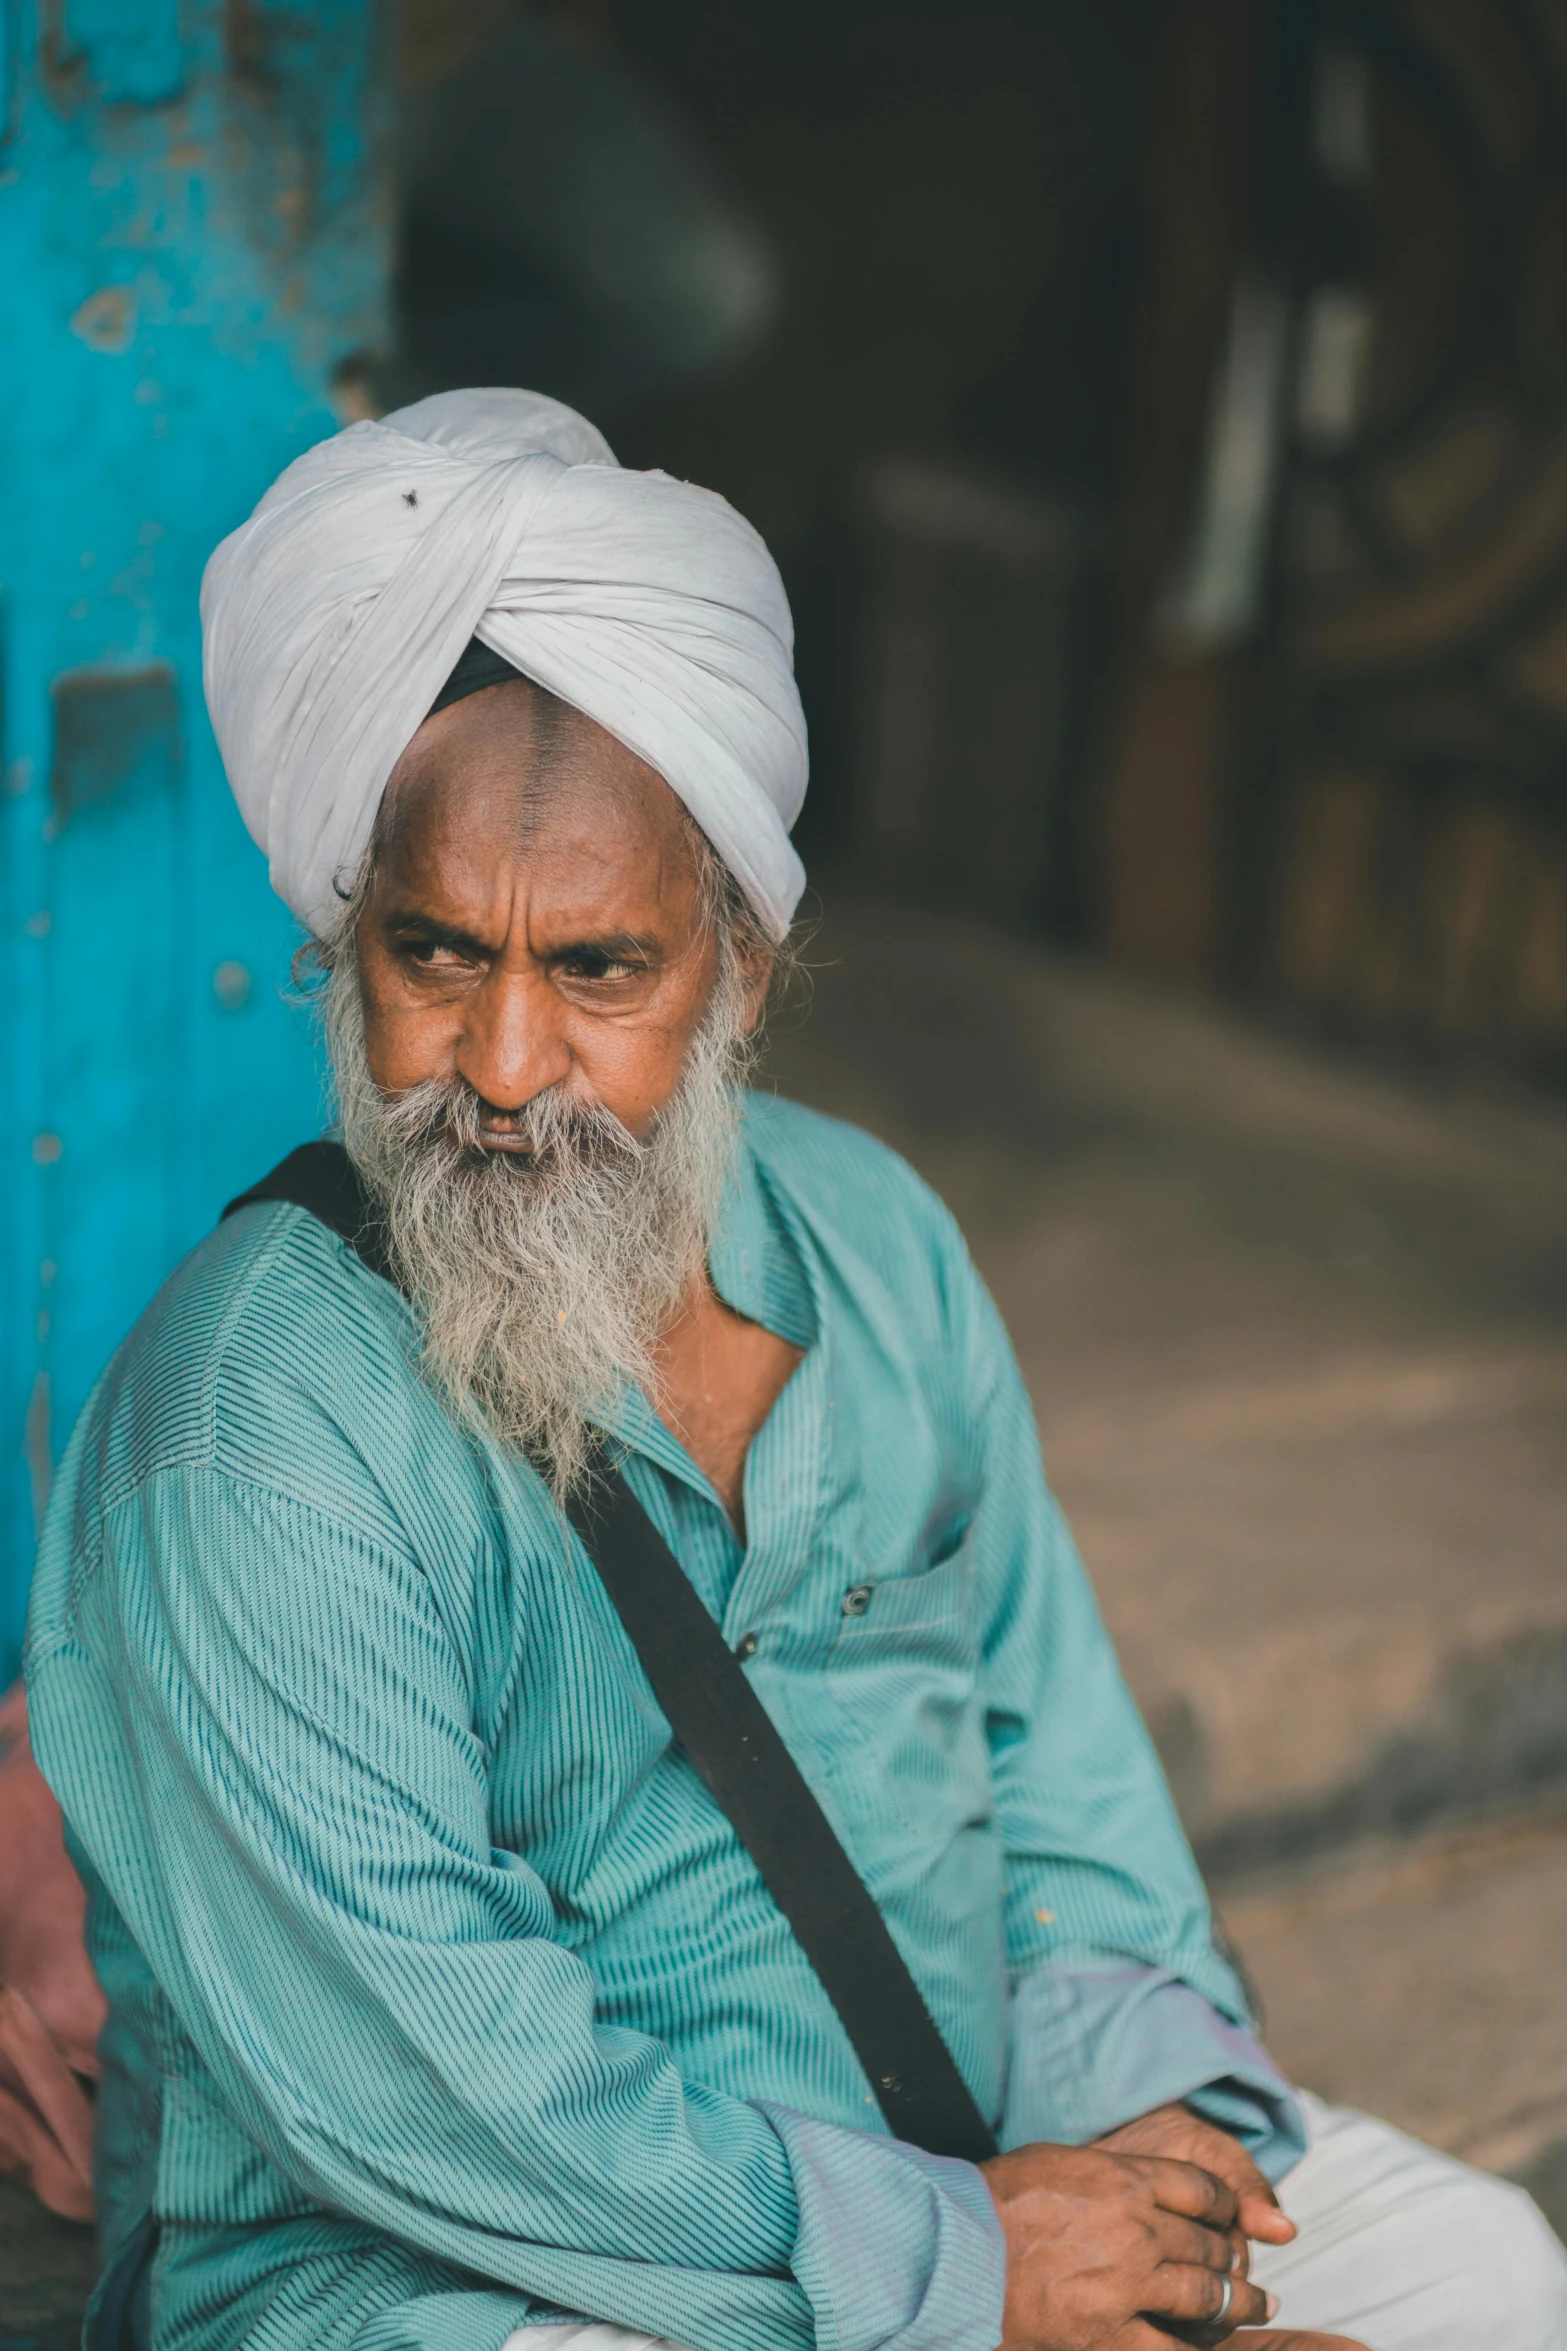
x=909 y=1643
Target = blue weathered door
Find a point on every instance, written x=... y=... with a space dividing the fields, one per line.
x=193 y=262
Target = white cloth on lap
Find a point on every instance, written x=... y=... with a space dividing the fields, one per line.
x=1404 y=2249
x=334 y=616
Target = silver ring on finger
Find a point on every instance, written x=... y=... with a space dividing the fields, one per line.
x=1223 y=2311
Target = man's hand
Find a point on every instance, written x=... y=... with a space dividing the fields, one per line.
x=1101 y=2247
x=1176 y=2132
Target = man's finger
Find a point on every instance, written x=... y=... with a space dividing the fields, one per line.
x=1265 y=2219
x=1260 y=2215
x=1188 y=2189
x=1197 y=2297
x=1181 y=2240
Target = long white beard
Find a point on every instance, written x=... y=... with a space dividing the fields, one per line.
x=542 y=1282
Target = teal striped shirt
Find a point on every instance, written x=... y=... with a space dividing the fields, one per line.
x=442 y=1995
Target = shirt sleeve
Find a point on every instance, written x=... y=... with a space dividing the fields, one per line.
x=262 y=1735
x=1121 y=2000
x=1096 y=2044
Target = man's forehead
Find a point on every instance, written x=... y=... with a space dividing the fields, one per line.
x=489 y=820
x=526 y=766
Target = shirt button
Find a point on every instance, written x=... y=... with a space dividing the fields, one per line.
x=856 y=1600
x=746 y=1646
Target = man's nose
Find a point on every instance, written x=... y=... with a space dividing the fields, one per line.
x=513 y=1042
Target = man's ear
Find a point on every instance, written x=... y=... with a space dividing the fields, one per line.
x=756 y=971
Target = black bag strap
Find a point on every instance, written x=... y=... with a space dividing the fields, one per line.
x=323 y=1179
x=734 y=1744
x=732 y=1739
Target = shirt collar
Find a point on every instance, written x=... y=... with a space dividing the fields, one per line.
x=754 y=1258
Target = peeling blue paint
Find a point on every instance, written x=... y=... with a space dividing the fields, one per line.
x=193 y=251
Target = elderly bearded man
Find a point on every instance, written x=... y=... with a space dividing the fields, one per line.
x=445 y=1999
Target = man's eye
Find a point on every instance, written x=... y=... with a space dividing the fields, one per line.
x=600 y=967
x=430 y=955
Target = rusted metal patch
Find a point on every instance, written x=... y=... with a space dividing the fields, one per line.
x=106 y=321
x=116 y=731
x=121 y=52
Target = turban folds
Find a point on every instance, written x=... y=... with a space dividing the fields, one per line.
x=333 y=617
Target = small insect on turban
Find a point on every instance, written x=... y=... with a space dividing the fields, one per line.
x=333 y=618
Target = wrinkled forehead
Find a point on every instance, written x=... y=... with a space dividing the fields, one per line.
x=514 y=775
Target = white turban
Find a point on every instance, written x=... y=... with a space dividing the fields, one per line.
x=334 y=616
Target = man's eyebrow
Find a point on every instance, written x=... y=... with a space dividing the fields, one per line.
x=432 y=933
x=614 y=946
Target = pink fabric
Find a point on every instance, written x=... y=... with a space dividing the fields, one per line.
x=51 y=2009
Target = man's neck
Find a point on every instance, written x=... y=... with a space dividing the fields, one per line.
x=719 y=1377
